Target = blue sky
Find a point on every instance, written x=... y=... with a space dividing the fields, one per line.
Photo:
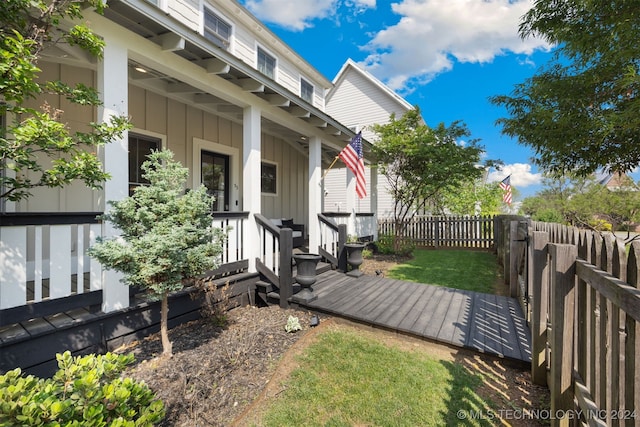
x=446 y=56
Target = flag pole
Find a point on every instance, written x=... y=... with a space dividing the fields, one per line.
x=326 y=171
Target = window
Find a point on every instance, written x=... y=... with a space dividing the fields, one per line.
x=139 y=148
x=269 y=175
x=266 y=63
x=215 y=29
x=306 y=91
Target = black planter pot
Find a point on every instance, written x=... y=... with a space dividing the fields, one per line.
x=306 y=276
x=354 y=258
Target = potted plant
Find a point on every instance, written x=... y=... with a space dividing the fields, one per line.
x=354 y=256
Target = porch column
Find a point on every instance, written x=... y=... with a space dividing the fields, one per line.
x=251 y=181
x=112 y=78
x=374 y=199
x=352 y=199
x=315 y=192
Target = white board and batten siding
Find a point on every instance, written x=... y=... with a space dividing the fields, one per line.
x=375 y=103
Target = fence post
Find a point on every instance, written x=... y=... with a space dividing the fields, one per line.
x=513 y=259
x=563 y=278
x=539 y=279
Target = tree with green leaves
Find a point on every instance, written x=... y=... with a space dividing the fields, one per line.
x=473 y=198
x=585 y=202
x=421 y=163
x=581 y=112
x=167 y=237
x=37 y=149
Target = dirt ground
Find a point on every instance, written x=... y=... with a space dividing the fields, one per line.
x=225 y=375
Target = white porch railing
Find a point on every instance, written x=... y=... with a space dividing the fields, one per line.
x=361 y=225
x=44 y=256
x=232 y=224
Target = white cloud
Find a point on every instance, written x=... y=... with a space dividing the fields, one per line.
x=431 y=34
x=521 y=175
x=300 y=14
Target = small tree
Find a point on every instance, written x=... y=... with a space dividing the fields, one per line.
x=37 y=149
x=422 y=163
x=167 y=235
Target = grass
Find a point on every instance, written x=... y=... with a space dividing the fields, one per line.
x=467 y=270
x=345 y=379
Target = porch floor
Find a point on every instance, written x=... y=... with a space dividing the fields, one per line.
x=481 y=322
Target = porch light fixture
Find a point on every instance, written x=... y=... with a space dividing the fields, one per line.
x=139 y=69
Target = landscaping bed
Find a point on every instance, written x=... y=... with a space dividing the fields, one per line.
x=221 y=375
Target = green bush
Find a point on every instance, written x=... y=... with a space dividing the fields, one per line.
x=385 y=245
x=85 y=391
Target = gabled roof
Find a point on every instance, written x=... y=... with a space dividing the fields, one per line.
x=617 y=181
x=351 y=65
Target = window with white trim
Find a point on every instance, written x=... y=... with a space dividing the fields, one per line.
x=306 y=91
x=216 y=29
x=266 y=63
x=269 y=178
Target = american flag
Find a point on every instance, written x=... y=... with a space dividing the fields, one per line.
x=505 y=184
x=351 y=155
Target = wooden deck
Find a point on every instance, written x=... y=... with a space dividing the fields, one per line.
x=481 y=322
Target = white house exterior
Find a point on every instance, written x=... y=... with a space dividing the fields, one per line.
x=208 y=81
x=359 y=100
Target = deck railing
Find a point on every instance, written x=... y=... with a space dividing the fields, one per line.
x=275 y=255
x=43 y=256
x=364 y=225
x=333 y=236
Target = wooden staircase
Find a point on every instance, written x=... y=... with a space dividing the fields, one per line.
x=268 y=292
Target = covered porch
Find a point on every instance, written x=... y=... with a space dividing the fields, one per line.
x=187 y=94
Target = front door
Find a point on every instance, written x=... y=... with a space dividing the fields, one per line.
x=215 y=176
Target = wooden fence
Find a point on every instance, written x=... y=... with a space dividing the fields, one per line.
x=583 y=304
x=445 y=231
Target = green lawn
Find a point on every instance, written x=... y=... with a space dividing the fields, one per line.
x=460 y=269
x=345 y=379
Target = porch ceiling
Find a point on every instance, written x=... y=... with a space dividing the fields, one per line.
x=149 y=22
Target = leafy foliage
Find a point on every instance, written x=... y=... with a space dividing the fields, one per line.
x=581 y=112
x=38 y=149
x=421 y=163
x=167 y=238
x=473 y=198
x=85 y=391
x=585 y=203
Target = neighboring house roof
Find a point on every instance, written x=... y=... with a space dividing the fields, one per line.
x=617 y=181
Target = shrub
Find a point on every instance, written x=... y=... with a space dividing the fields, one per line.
x=85 y=391
x=600 y=225
x=388 y=245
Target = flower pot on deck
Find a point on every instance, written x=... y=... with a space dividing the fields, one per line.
x=354 y=258
x=306 y=276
